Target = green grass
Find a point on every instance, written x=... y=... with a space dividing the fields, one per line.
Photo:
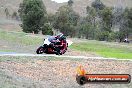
x=104 y=49
x=100 y=48
x=6 y=50
x=19 y=37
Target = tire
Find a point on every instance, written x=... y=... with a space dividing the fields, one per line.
x=67 y=44
x=64 y=51
x=81 y=80
x=40 y=50
x=57 y=53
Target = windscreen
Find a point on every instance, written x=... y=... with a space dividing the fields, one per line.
x=51 y=38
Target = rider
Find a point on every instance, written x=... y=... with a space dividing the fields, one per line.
x=61 y=45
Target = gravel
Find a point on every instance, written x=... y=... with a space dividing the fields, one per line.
x=41 y=72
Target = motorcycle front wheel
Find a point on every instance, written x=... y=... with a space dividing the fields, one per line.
x=40 y=50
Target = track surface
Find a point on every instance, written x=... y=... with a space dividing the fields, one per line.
x=52 y=55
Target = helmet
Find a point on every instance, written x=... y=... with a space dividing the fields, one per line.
x=61 y=36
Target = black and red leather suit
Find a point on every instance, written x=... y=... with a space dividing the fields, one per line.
x=61 y=45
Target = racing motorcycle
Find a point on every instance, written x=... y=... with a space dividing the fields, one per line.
x=48 y=46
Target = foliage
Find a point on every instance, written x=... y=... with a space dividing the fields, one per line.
x=98 y=5
x=47 y=30
x=112 y=36
x=7 y=13
x=127 y=21
x=99 y=23
x=70 y=2
x=33 y=15
x=125 y=28
x=106 y=15
x=106 y=24
x=51 y=18
x=15 y=16
x=66 y=20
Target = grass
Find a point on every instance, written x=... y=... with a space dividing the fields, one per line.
x=6 y=51
x=104 y=49
x=25 y=59
x=19 y=37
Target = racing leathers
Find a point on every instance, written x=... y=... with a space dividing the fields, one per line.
x=61 y=47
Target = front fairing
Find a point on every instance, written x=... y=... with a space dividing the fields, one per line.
x=49 y=40
x=46 y=42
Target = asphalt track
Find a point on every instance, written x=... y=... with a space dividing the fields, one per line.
x=53 y=55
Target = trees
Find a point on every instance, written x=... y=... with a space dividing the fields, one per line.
x=106 y=15
x=33 y=15
x=91 y=15
x=15 y=16
x=47 y=29
x=126 y=24
x=51 y=18
x=7 y=13
x=66 y=20
x=102 y=19
x=98 y=5
x=70 y=2
x=87 y=30
x=98 y=24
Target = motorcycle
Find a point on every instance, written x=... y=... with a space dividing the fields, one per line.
x=48 y=46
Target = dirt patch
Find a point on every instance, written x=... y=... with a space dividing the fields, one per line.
x=61 y=74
